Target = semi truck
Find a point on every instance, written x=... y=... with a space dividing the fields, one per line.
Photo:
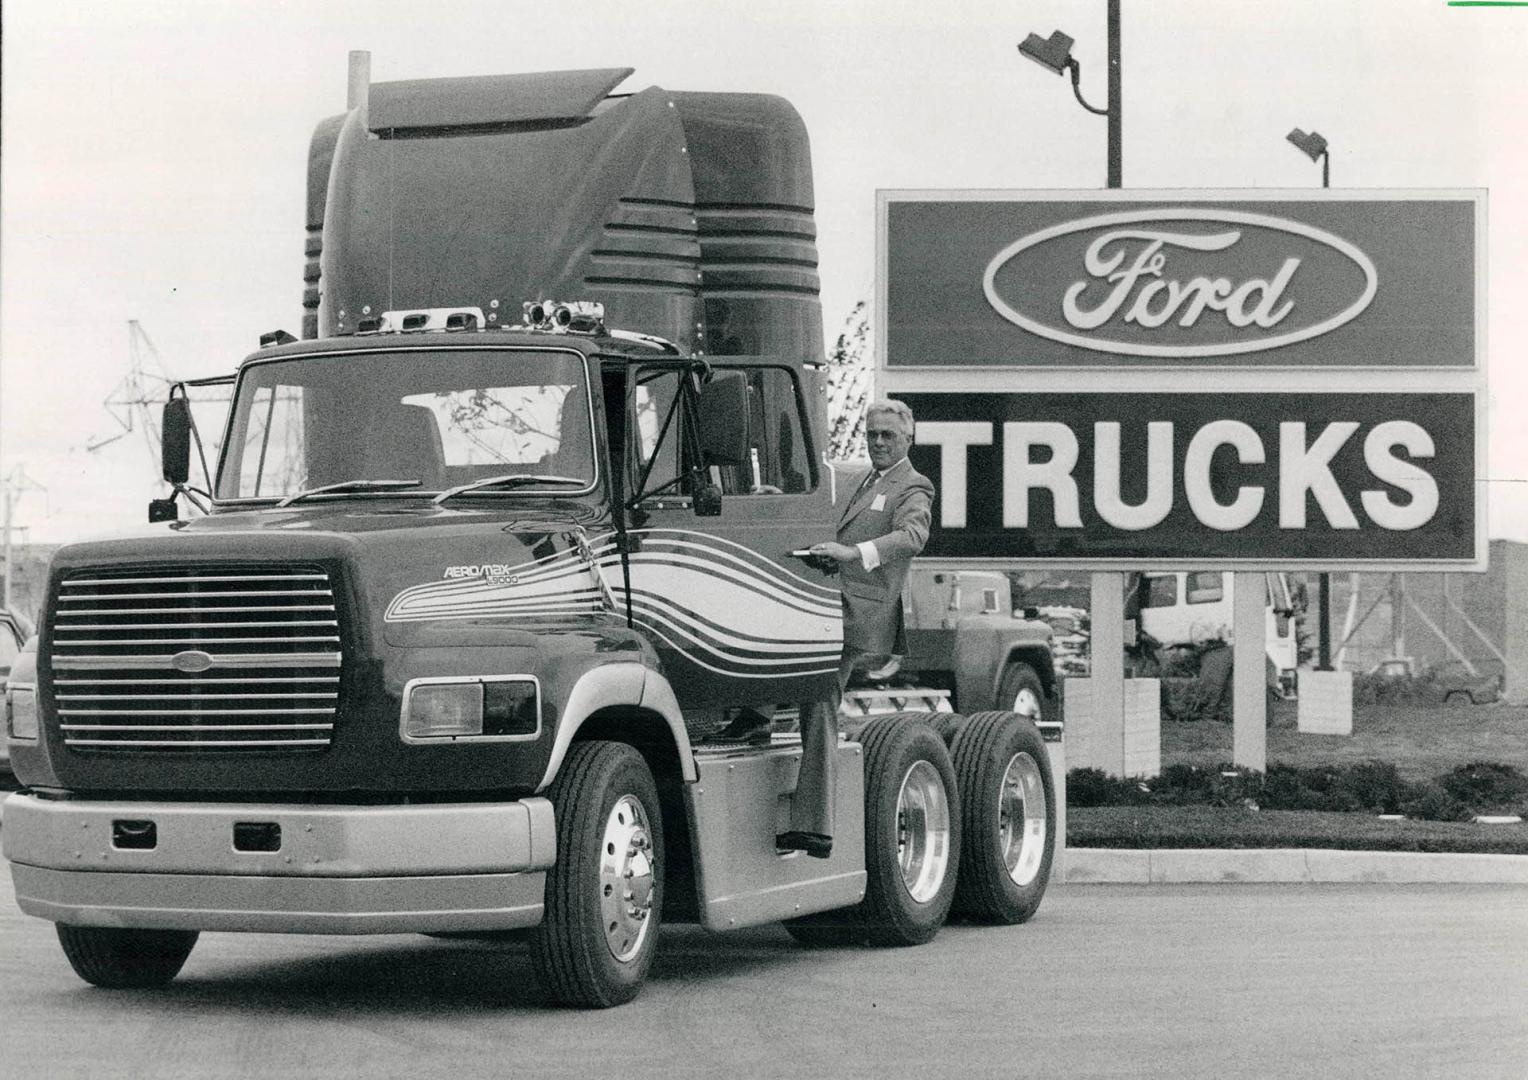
x=496 y=556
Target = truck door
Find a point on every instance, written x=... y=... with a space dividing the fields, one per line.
x=736 y=618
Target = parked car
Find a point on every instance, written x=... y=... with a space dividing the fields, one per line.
x=1448 y=683
x=14 y=631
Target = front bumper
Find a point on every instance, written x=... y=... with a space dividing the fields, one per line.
x=320 y=869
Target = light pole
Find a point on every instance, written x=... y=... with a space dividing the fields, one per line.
x=1314 y=146
x=1055 y=54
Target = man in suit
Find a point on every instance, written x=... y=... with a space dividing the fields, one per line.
x=883 y=524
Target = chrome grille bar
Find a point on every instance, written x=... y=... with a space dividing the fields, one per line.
x=188 y=579
x=116 y=635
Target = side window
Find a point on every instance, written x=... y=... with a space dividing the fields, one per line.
x=656 y=435
x=1204 y=587
x=778 y=458
x=273 y=461
x=1161 y=591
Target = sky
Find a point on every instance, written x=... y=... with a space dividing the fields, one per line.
x=154 y=153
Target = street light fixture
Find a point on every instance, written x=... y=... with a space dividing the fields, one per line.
x=1055 y=55
x=1313 y=145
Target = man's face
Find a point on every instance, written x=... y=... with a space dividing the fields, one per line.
x=887 y=442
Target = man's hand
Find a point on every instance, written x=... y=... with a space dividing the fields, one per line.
x=839 y=553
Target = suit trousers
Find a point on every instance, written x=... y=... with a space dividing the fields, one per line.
x=812 y=805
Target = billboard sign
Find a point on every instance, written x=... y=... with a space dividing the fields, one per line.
x=1278 y=479
x=1206 y=279
x=1247 y=380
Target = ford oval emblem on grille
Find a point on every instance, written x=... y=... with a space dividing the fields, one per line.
x=191 y=660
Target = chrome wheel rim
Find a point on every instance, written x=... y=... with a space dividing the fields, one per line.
x=1026 y=703
x=627 y=875
x=1021 y=818
x=923 y=831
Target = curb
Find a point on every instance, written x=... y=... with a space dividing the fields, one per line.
x=1163 y=866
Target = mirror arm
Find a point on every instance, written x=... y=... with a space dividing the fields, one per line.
x=191 y=497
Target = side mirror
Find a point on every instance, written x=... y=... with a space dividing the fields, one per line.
x=175 y=441
x=724 y=419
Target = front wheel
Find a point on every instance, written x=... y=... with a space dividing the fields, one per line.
x=1021 y=691
x=604 y=895
x=125 y=959
x=1009 y=817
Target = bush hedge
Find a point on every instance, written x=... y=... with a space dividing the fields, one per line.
x=1370 y=787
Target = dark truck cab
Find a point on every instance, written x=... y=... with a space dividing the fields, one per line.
x=479 y=598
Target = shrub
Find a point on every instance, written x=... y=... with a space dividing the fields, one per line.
x=1094 y=787
x=1486 y=786
x=1375 y=785
x=1432 y=802
x=1371 y=787
x=1188 y=785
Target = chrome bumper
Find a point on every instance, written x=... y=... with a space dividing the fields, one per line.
x=318 y=869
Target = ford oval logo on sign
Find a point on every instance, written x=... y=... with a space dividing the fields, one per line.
x=1229 y=280
x=191 y=661
x=1180 y=282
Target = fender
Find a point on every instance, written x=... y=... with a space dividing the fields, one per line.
x=630 y=684
x=984 y=646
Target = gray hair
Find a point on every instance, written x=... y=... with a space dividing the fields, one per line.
x=898 y=409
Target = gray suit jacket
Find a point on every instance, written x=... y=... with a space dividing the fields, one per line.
x=893 y=514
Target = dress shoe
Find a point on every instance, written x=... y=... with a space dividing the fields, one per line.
x=814 y=844
x=748 y=726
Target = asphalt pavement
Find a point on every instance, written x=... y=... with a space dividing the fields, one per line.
x=1242 y=980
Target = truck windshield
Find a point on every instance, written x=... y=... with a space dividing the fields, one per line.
x=441 y=417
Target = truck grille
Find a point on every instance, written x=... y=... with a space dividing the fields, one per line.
x=205 y=658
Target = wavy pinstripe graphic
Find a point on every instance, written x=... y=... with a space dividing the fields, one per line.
x=719 y=604
x=556 y=585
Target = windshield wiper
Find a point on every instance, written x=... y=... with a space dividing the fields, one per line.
x=350 y=485
x=507 y=480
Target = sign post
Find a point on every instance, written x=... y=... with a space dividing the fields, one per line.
x=1243 y=381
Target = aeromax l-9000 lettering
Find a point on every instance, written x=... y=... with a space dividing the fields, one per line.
x=488 y=588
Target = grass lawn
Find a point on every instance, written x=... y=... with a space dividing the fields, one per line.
x=1422 y=742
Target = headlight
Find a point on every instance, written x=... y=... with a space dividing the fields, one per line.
x=480 y=708
x=21 y=706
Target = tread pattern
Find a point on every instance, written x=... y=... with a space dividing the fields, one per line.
x=561 y=952
x=879 y=913
x=119 y=958
x=980 y=894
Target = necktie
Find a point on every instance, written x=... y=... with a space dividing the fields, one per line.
x=870 y=478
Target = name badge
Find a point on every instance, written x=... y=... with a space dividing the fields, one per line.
x=879 y=502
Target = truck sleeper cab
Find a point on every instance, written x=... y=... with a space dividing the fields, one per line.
x=456 y=644
x=375 y=689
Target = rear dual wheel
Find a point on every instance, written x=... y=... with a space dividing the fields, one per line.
x=1008 y=813
x=912 y=841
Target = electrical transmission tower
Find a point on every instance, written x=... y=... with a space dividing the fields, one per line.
x=130 y=400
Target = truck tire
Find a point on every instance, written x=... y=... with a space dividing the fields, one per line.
x=604 y=895
x=1008 y=814
x=912 y=832
x=1021 y=691
x=125 y=959
x=947 y=726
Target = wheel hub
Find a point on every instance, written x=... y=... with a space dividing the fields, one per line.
x=627 y=876
x=923 y=831
x=1021 y=818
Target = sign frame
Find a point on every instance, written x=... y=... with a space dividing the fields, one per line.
x=1154 y=376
